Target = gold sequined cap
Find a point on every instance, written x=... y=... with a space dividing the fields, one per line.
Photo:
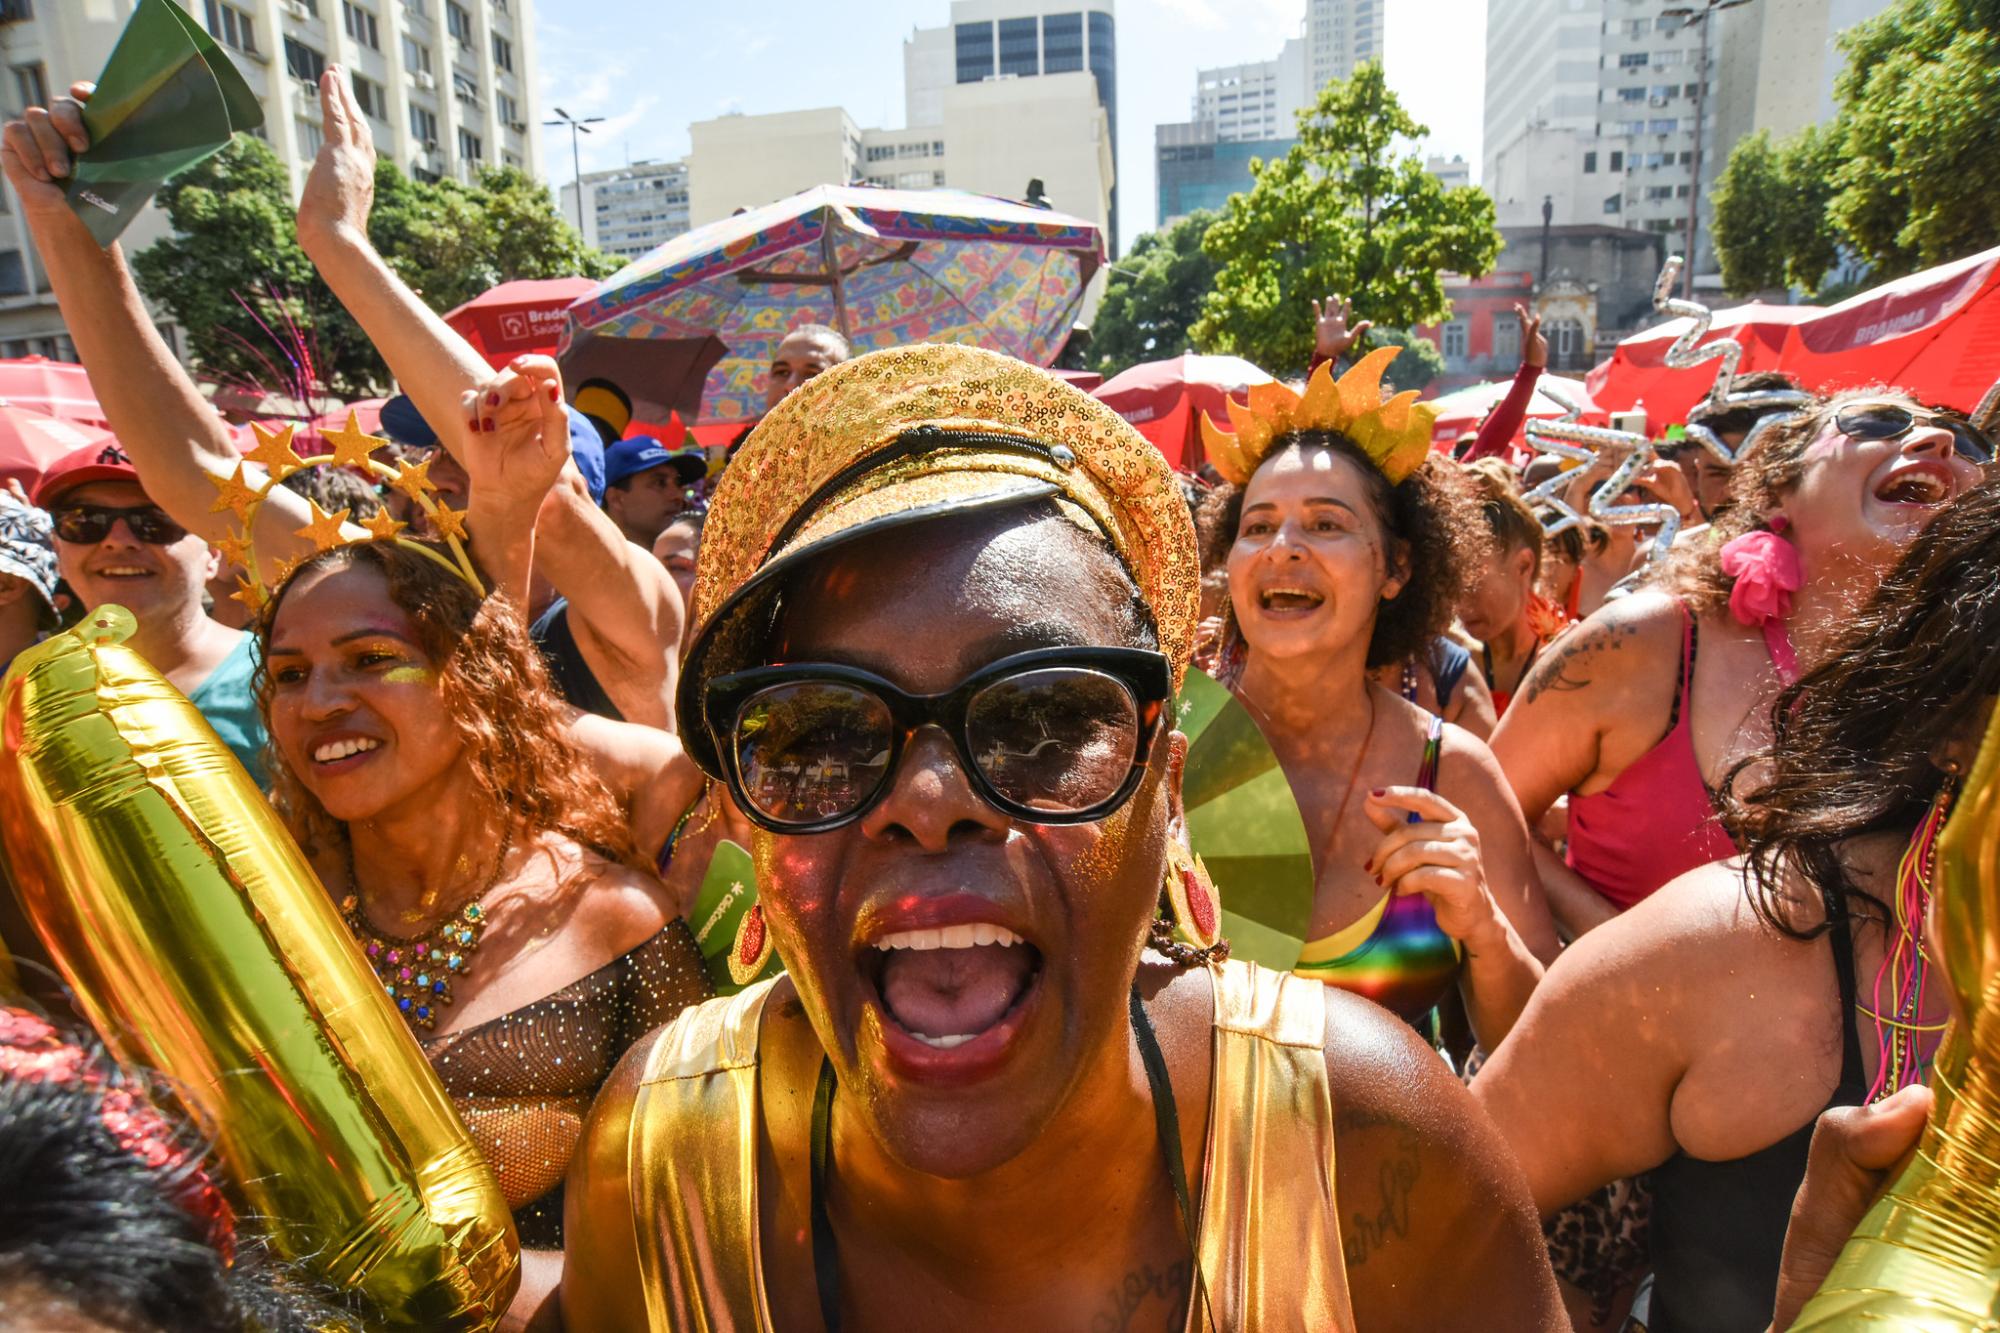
x=918 y=433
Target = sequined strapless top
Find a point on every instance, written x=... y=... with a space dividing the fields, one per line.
x=523 y=1082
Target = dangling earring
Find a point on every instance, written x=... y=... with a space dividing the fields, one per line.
x=752 y=949
x=1197 y=911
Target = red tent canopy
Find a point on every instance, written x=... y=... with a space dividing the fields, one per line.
x=518 y=318
x=1935 y=333
x=54 y=388
x=367 y=415
x=30 y=441
x=1463 y=409
x=1637 y=372
x=1165 y=399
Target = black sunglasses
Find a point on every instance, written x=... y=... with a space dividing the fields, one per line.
x=1053 y=736
x=86 y=525
x=1888 y=421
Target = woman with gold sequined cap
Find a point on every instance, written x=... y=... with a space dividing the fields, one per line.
x=942 y=607
x=418 y=751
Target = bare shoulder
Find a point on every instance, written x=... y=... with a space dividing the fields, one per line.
x=1466 y=765
x=1615 y=644
x=1437 y=1226
x=622 y=907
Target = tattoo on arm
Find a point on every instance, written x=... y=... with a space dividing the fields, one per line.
x=1145 y=1290
x=1384 y=1213
x=1568 y=667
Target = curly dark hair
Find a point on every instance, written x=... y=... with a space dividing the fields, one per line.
x=1431 y=517
x=493 y=685
x=1853 y=740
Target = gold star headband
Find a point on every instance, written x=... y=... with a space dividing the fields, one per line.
x=1394 y=433
x=352 y=447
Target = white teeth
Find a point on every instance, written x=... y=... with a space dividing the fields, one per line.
x=945 y=1043
x=121 y=572
x=333 y=750
x=950 y=937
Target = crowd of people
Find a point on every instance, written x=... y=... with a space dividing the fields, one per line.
x=1621 y=866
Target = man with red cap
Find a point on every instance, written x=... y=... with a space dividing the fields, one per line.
x=114 y=545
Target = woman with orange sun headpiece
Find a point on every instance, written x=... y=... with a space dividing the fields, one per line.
x=1348 y=548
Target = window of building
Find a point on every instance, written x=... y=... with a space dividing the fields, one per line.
x=303 y=63
x=510 y=110
x=1020 y=46
x=1691 y=89
x=13 y=273
x=1590 y=164
x=458 y=23
x=1566 y=342
x=975 y=51
x=416 y=56
x=937 y=179
x=310 y=137
x=16 y=11
x=31 y=85
x=464 y=89
x=1506 y=338
x=1633 y=94
x=1062 y=43
x=1680 y=192
x=360 y=25
x=231 y=26
x=1614 y=203
x=503 y=53
x=423 y=126
x=417 y=7
x=469 y=147
x=372 y=97
x=1655 y=193
x=1632 y=60
x=1638 y=27
x=1631 y=127
x=1617 y=159
x=1664 y=91
x=1452 y=340
x=1686 y=157
x=1665 y=126
x=1662 y=59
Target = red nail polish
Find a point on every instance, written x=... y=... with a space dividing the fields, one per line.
x=493 y=398
x=1378 y=881
x=1377 y=791
x=473 y=425
x=488 y=425
x=1369 y=864
x=555 y=393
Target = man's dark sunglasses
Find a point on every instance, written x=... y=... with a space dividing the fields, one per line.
x=1889 y=421
x=1053 y=736
x=86 y=525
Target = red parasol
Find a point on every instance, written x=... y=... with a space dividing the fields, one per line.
x=1165 y=399
x=1637 y=372
x=518 y=318
x=367 y=414
x=1463 y=409
x=53 y=388
x=30 y=441
x=1934 y=333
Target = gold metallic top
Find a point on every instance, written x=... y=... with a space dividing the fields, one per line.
x=800 y=453
x=665 y=1190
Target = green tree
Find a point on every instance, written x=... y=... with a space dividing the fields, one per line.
x=1771 y=227
x=1420 y=363
x=1345 y=211
x=233 y=275
x=1154 y=296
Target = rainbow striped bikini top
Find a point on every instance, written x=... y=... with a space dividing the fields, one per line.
x=1395 y=954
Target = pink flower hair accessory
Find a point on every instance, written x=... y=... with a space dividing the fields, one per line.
x=1767 y=572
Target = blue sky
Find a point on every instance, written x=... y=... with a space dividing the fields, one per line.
x=652 y=66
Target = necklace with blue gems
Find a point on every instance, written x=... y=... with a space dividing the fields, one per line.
x=417 y=971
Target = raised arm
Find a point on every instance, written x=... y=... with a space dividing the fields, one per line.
x=624 y=608
x=173 y=437
x=1498 y=431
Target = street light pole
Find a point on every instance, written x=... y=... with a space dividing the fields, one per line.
x=576 y=127
x=1698 y=19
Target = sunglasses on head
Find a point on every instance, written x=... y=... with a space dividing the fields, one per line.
x=1889 y=421
x=1053 y=736
x=85 y=525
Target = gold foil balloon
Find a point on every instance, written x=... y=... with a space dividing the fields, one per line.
x=1927 y=1255
x=200 y=943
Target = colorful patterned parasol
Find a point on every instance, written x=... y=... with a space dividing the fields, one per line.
x=1244 y=823
x=886 y=267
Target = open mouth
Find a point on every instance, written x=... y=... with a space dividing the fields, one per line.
x=953 y=990
x=1922 y=485
x=122 y=572
x=347 y=747
x=1290 y=601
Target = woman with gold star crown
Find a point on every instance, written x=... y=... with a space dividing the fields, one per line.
x=418 y=753
x=1349 y=545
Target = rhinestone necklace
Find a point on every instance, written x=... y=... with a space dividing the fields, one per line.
x=417 y=970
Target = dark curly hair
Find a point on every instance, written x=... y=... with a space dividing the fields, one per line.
x=492 y=684
x=1853 y=740
x=1431 y=517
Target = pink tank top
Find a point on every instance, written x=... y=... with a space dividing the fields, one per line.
x=1656 y=820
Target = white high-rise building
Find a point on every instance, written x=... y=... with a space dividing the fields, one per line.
x=1775 y=63
x=627 y=211
x=447 y=86
x=1257 y=101
x=1341 y=34
x=1541 y=106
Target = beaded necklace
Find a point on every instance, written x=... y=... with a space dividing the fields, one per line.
x=417 y=970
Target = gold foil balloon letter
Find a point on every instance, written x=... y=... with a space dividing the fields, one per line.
x=199 y=942
x=1927 y=1255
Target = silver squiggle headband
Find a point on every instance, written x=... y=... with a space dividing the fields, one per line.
x=1687 y=352
x=1567 y=437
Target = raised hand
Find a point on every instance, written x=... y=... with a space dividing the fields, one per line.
x=516 y=435
x=1436 y=855
x=340 y=190
x=37 y=149
x=1534 y=347
x=1333 y=333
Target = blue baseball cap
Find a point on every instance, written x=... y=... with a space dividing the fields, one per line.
x=402 y=423
x=643 y=453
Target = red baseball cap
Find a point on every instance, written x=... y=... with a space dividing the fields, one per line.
x=103 y=461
